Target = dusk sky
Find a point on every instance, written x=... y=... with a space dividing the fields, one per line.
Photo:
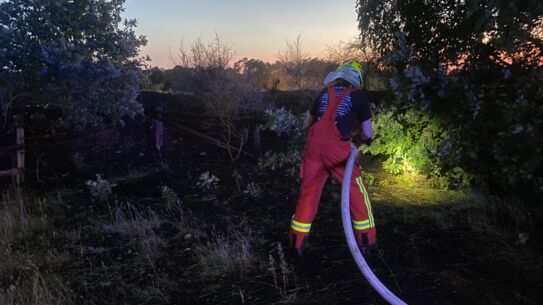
x=254 y=29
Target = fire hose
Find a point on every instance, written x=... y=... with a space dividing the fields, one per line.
x=353 y=247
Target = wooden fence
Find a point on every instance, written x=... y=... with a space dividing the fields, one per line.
x=17 y=172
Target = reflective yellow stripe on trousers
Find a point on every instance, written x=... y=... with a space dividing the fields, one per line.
x=300 y=226
x=361 y=224
x=366 y=200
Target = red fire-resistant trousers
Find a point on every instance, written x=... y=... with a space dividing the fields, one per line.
x=324 y=154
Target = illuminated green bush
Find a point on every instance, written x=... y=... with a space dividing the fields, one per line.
x=413 y=142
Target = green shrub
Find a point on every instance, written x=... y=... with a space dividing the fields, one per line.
x=478 y=69
x=414 y=142
x=81 y=58
x=369 y=178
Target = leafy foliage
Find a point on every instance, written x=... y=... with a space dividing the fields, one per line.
x=100 y=189
x=415 y=142
x=475 y=67
x=80 y=57
x=284 y=123
x=441 y=32
x=255 y=71
x=208 y=181
x=253 y=191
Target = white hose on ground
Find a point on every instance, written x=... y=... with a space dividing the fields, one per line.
x=351 y=241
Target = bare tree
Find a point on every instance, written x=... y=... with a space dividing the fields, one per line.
x=224 y=98
x=221 y=88
x=343 y=51
x=295 y=62
x=354 y=49
x=204 y=56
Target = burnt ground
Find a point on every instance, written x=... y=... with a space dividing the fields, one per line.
x=189 y=245
x=220 y=246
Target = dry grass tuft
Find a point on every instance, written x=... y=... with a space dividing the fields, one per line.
x=140 y=225
x=227 y=254
x=33 y=288
x=14 y=218
x=284 y=279
x=24 y=264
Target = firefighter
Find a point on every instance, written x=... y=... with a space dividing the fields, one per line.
x=338 y=108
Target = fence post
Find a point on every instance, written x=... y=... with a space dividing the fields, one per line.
x=20 y=176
